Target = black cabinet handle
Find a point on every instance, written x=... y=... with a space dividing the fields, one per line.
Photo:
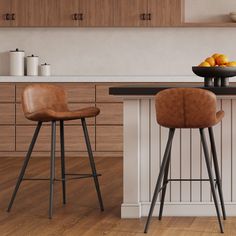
x=7 y=16
x=149 y=16
x=142 y=16
x=81 y=16
x=75 y=16
x=78 y=16
x=13 y=16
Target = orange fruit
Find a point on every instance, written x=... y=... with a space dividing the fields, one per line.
x=211 y=61
x=231 y=64
x=215 y=55
x=205 y=64
x=222 y=60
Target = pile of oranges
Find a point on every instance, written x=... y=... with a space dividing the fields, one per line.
x=218 y=60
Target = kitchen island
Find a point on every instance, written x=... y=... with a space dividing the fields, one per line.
x=144 y=144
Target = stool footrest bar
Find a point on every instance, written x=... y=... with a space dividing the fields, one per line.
x=79 y=176
x=190 y=180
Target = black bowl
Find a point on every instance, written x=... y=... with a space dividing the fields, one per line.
x=214 y=72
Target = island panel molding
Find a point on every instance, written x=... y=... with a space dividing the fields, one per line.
x=144 y=143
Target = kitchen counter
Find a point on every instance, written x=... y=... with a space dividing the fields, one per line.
x=144 y=144
x=141 y=90
x=98 y=79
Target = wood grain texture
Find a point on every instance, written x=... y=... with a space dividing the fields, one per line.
x=7 y=93
x=81 y=215
x=96 y=13
x=109 y=138
x=67 y=9
x=165 y=12
x=7 y=114
x=102 y=94
x=29 y=12
x=7 y=138
x=74 y=139
x=111 y=114
x=127 y=13
x=5 y=8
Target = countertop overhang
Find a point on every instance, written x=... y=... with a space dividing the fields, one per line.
x=140 y=90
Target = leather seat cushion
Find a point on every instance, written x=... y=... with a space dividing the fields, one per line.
x=49 y=114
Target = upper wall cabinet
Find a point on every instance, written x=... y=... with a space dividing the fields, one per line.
x=149 y=13
x=29 y=13
x=130 y=13
x=5 y=13
x=86 y=13
x=164 y=12
x=90 y=13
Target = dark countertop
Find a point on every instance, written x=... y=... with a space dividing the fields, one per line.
x=143 y=90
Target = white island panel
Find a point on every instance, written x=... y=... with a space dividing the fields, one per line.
x=144 y=144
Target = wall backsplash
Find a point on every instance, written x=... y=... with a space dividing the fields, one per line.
x=118 y=51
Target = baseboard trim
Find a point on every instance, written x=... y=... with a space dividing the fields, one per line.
x=176 y=209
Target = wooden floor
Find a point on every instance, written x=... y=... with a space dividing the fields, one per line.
x=81 y=215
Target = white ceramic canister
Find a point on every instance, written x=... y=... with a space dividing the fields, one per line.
x=32 y=64
x=17 y=62
x=45 y=69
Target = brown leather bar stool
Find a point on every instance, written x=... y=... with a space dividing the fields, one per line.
x=48 y=103
x=188 y=108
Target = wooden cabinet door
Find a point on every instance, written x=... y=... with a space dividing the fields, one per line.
x=68 y=9
x=96 y=13
x=35 y=13
x=5 y=11
x=130 y=13
x=164 y=12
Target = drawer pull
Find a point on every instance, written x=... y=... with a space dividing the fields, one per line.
x=149 y=16
x=81 y=16
x=142 y=16
x=75 y=16
x=13 y=16
x=7 y=16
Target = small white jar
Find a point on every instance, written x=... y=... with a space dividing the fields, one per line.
x=45 y=69
x=32 y=64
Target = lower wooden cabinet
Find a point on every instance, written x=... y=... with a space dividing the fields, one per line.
x=110 y=114
x=106 y=130
x=7 y=138
x=74 y=139
x=109 y=138
x=7 y=117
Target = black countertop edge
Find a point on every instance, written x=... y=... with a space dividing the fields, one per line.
x=153 y=90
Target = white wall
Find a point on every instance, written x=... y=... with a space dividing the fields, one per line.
x=209 y=10
x=118 y=51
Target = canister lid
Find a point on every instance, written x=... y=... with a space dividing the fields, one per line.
x=17 y=50
x=45 y=64
x=32 y=56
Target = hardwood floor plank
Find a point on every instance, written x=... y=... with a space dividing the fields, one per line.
x=81 y=215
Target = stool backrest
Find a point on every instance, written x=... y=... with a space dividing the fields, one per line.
x=186 y=108
x=38 y=97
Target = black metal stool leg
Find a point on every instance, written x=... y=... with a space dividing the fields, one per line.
x=217 y=172
x=26 y=161
x=63 y=161
x=162 y=170
x=92 y=163
x=208 y=164
x=52 y=167
x=163 y=194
